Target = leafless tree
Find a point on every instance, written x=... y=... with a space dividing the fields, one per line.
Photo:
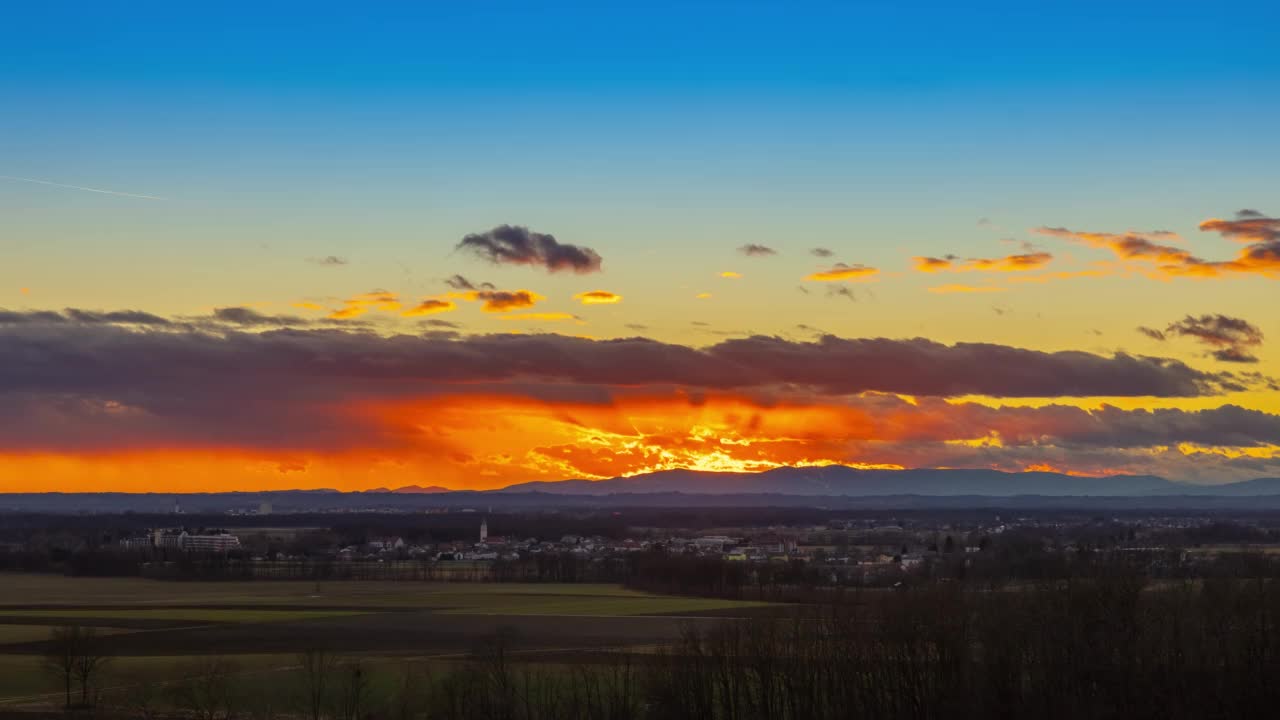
x=317 y=667
x=209 y=694
x=63 y=652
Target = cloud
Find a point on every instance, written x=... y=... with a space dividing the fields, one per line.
x=81 y=187
x=822 y=252
x=1010 y=263
x=438 y=323
x=430 y=306
x=1152 y=250
x=598 y=297
x=547 y=316
x=382 y=300
x=731 y=275
x=636 y=326
x=119 y=317
x=51 y=355
x=328 y=260
x=247 y=317
x=517 y=245
x=496 y=301
x=96 y=392
x=1153 y=333
x=1229 y=337
x=841 y=271
x=702 y=296
x=754 y=250
x=956 y=288
x=458 y=282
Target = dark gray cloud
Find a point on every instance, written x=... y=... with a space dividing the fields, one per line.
x=72 y=384
x=822 y=252
x=77 y=315
x=438 y=323
x=518 y=245
x=248 y=317
x=1230 y=338
x=754 y=250
x=458 y=282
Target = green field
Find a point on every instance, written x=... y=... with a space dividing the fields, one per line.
x=129 y=595
x=194 y=615
x=163 y=631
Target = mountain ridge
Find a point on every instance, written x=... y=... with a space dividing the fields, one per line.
x=841 y=480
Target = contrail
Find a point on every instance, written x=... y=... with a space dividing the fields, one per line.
x=81 y=187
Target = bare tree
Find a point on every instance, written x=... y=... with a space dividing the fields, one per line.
x=63 y=655
x=90 y=660
x=209 y=694
x=317 y=667
x=353 y=694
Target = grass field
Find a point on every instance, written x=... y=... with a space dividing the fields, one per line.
x=194 y=615
x=168 y=630
x=131 y=595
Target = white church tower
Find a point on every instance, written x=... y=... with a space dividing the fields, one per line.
x=484 y=529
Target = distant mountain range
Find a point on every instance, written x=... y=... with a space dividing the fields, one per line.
x=413 y=490
x=841 y=481
x=831 y=486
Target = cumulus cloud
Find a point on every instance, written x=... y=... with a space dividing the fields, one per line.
x=1154 y=251
x=841 y=272
x=37 y=353
x=754 y=250
x=458 y=282
x=598 y=297
x=121 y=317
x=354 y=307
x=438 y=323
x=430 y=306
x=518 y=245
x=547 y=316
x=248 y=317
x=958 y=288
x=77 y=315
x=1231 y=339
x=1009 y=263
x=497 y=301
x=77 y=385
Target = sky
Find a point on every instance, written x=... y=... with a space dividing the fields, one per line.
x=305 y=245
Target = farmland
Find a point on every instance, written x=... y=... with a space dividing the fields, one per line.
x=163 y=631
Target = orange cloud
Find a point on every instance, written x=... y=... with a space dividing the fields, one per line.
x=703 y=296
x=360 y=304
x=730 y=275
x=307 y=305
x=841 y=271
x=1010 y=263
x=550 y=316
x=1260 y=256
x=497 y=301
x=598 y=297
x=944 y=289
x=430 y=306
x=485 y=439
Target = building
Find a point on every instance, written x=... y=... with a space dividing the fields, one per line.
x=216 y=542
x=180 y=539
x=264 y=508
x=484 y=530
